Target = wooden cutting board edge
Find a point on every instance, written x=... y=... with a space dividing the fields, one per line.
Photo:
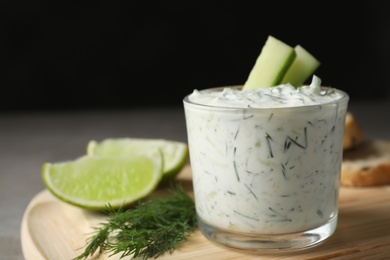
x=352 y=201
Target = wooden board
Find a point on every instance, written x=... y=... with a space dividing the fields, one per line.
x=52 y=229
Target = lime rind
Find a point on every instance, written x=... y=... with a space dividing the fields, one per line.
x=175 y=153
x=175 y=161
x=93 y=182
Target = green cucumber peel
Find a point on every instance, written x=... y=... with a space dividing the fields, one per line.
x=279 y=63
x=303 y=66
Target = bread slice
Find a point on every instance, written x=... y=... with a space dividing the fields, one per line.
x=367 y=164
x=353 y=133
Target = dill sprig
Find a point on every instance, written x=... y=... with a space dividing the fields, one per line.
x=149 y=230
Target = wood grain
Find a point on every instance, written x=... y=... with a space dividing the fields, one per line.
x=52 y=229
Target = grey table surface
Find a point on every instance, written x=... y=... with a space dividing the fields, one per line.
x=29 y=139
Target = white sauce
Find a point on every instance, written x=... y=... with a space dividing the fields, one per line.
x=278 y=96
x=271 y=170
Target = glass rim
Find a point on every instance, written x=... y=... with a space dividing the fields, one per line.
x=186 y=100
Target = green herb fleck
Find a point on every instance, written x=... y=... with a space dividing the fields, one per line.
x=269 y=139
x=290 y=140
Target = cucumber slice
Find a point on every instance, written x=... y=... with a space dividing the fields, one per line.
x=301 y=68
x=274 y=60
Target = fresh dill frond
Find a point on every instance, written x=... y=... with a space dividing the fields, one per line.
x=149 y=230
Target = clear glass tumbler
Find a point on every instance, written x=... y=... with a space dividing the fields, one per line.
x=266 y=179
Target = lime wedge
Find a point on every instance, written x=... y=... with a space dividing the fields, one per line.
x=174 y=153
x=93 y=182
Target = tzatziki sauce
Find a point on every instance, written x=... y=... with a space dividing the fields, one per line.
x=267 y=160
x=278 y=96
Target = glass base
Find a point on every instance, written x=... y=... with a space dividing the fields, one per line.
x=269 y=243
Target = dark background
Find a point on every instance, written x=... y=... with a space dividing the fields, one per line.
x=69 y=55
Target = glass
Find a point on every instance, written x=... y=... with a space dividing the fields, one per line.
x=266 y=179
